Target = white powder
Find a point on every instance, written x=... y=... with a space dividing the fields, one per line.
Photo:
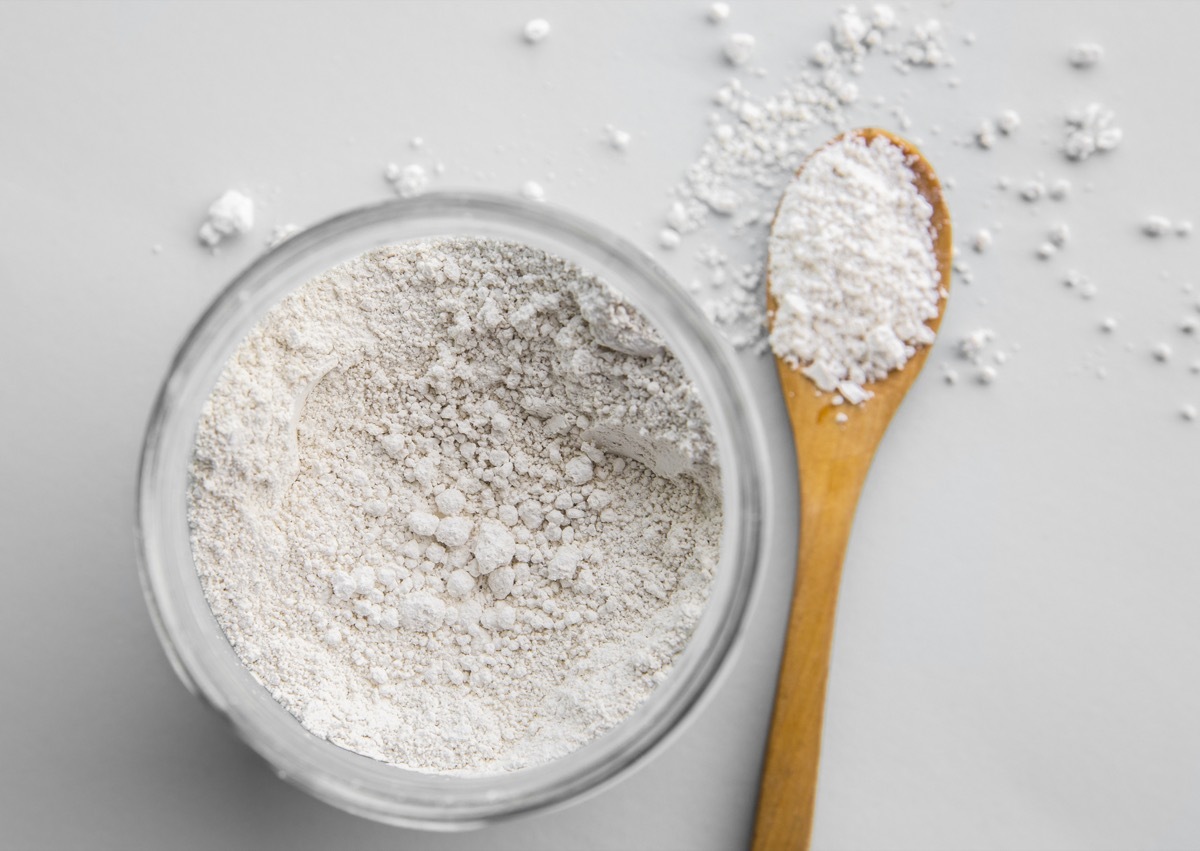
x=454 y=505
x=618 y=139
x=982 y=241
x=229 y=215
x=281 y=234
x=1156 y=226
x=852 y=266
x=1008 y=122
x=1085 y=55
x=1161 y=352
x=972 y=346
x=1090 y=130
x=717 y=13
x=532 y=190
x=536 y=30
x=1032 y=190
x=739 y=48
x=409 y=181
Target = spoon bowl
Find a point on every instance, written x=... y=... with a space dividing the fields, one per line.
x=832 y=460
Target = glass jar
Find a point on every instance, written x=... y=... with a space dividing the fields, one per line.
x=198 y=649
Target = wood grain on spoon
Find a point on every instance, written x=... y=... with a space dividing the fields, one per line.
x=833 y=459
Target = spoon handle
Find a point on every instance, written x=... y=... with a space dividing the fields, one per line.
x=830 y=483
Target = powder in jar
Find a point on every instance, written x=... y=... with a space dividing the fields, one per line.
x=851 y=266
x=456 y=506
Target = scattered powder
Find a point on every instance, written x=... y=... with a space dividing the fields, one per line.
x=532 y=190
x=1183 y=228
x=1109 y=325
x=925 y=47
x=1059 y=190
x=972 y=346
x=1161 y=352
x=717 y=13
x=1090 y=130
x=618 y=139
x=1188 y=412
x=739 y=48
x=409 y=181
x=229 y=215
x=536 y=30
x=757 y=141
x=1085 y=55
x=1032 y=190
x=852 y=267
x=668 y=238
x=281 y=234
x=1156 y=226
x=454 y=506
x=1008 y=122
x=982 y=241
x=1059 y=234
x=1189 y=324
x=986 y=375
x=985 y=136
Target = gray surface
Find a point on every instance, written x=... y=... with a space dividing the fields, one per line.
x=1018 y=647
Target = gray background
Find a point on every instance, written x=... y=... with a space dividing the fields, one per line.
x=1017 y=662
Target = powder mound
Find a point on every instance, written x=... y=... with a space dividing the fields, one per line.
x=852 y=268
x=456 y=506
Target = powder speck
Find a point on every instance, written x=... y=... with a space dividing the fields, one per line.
x=281 y=234
x=409 y=181
x=1090 y=130
x=1085 y=55
x=229 y=215
x=1161 y=352
x=1008 y=122
x=717 y=13
x=1032 y=190
x=532 y=190
x=618 y=139
x=1156 y=226
x=536 y=30
x=739 y=48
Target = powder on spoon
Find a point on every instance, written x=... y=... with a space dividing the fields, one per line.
x=851 y=266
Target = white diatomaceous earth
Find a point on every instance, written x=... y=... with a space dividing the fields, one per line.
x=229 y=215
x=456 y=506
x=851 y=266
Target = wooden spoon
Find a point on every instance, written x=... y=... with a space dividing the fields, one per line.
x=833 y=459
